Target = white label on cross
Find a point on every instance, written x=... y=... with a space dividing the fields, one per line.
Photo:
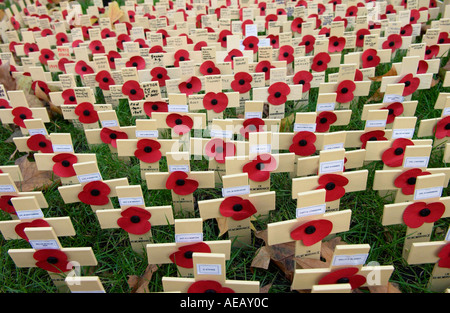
x=131 y=201
x=44 y=244
x=403 y=133
x=253 y=115
x=357 y=259
x=447 y=237
x=331 y=167
x=416 y=162
x=446 y=112
x=310 y=210
x=376 y=123
x=193 y=237
x=7 y=188
x=251 y=30
x=325 y=106
x=298 y=127
x=426 y=193
x=209 y=269
x=28 y=214
x=261 y=149
x=147 y=133
x=37 y=131
x=62 y=148
x=334 y=146
x=85 y=178
x=221 y=133
x=110 y=123
x=393 y=98
x=179 y=168
x=178 y=108
x=236 y=191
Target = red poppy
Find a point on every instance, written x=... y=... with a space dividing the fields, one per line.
x=414 y=15
x=107 y=33
x=406 y=30
x=112 y=55
x=6 y=204
x=158 y=49
x=308 y=41
x=181 y=124
x=345 y=91
x=296 y=25
x=96 y=47
x=63 y=166
x=358 y=75
x=222 y=38
x=159 y=74
x=393 y=42
x=395 y=109
x=407 y=180
x=181 y=56
x=312 y=232
x=62 y=64
x=274 y=41
x=82 y=68
x=20 y=228
x=303 y=143
x=390 y=9
x=333 y=185
x=336 y=44
x=4 y=104
x=20 y=114
x=104 y=79
x=135 y=220
x=352 y=11
x=242 y=82
x=231 y=55
x=14 y=23
x=76 y=43
x=136 y=61
x=61 y=38
x=142 y=43
x=183 y=256
x=344 y=275
x=281 y=11
x=318 y=20
x=264 y=67
x=52 y=260
x=217 y=102
x=209 y=68
x=270 y=18
x=13 y=44
x=86 y=113
x=190 y=86
x=339 y=19
x=148 y=150
x=259 y=169
x=431 y=52
x=46 y=55
x=324 y=120
x=42 y=85
x=286 y=53
x=208 y=286
x=370 y=58
x=95 y=193
x=422 y=68
x=418 y=213
x=109 y=136
x=244 y=26
x=360 y=34
x=278 y=93
x=30 y=47
x=442 y=128
x=164 y=35
x=199 y=45
x=39 y=142
x=325 y=31
x=374 y=135
x=443 y=38
x=262 y=8
x=133 y=90
x=444 y=256
x=411 y=84
x=237 y=208
x=155 y=106
x=179 y=183
x=303 y=78
x=320 y=62
x=218 y=149
x=251 y=125
x=393 y=156
x=121 y=39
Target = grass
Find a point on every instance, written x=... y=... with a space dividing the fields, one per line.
x=116 y=259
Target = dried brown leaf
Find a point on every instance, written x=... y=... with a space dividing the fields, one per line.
x=265 y=288
x=261 y=259
x=8 y=82
x=139 y=284
x=33 y=179
x=389 y=288
x=222 y=224
x=391 y=72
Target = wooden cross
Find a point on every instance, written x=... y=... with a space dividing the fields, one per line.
x=419 y=214
x=237 y=207
x=84 y=284
x=433 y=252
x=180 y=180
x=91 y=189
x=436 y=127
x=260 y=161
x=84 y=115
x=188 y=240
x=209 y=275
x=347 y=266
x=147 y=140
x=12 y=170
x=134 y=217
x=9 y=191
x=310 y=219
x=37 y=139
x=48 y=254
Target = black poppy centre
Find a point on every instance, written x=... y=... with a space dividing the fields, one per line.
x=424 y=212
x=237 y=207
x=310 y=230
x=330 y=186
x=95 y=192
x=180 y=182
x=398 y=151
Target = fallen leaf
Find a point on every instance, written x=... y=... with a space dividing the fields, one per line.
x=114 y=12
x=222 y=224
x=391 y=72
x=389 y=288
x=265 y=288
x=261 y=258
x=139 y=284
x=33 y=179
x=376 y=97
x=8 y=82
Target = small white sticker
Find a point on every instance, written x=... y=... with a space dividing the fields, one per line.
x=29 y=214
x=427 y=193
x=251 y=30
x=261 y=149
x=147 y=134
x=416 y=162
x=298 y=127
x=221 y=133
x=209 y=269
x=310 y=210
x=37 y=131
x=62 y=148
x=446 y=112
x=178 y=108
x=253 y=115
x=447 y=237
x=357 y=259
x=236 y=191
x=403 y=133
x=393 y=98
x=86 y=178
x=179 y=168
x=131 y=201
x=7 y=188
x=376 y=123
x=193 y=237
x=110 y=123
x=333 y=146
x=331 y=167
x=44 y=244
x=325 y=107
